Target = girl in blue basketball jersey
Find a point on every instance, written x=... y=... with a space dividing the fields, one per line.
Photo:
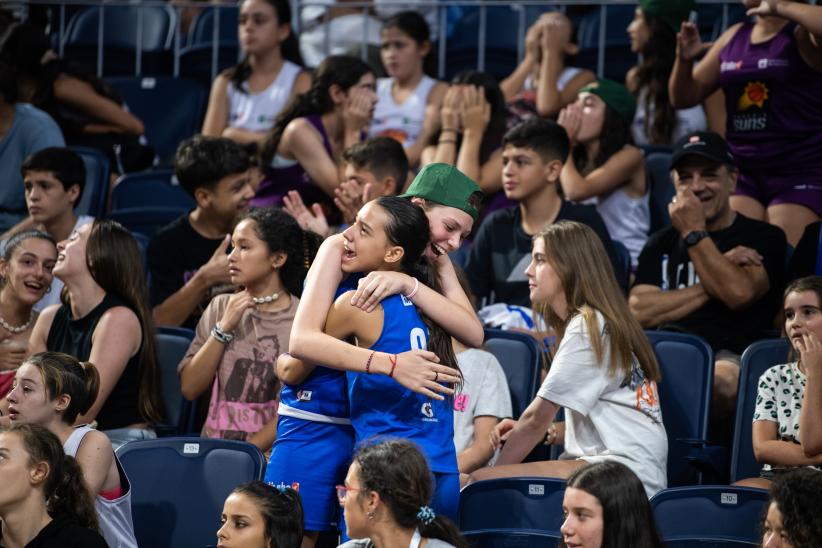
x=314 y=440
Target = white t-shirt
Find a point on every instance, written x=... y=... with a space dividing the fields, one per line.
x=607 y=418
x=53 y=296
x=484 y=394
x=257 y=111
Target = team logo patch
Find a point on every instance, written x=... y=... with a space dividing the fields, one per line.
x=427 y=410
x=304 y=395
x=755 y=94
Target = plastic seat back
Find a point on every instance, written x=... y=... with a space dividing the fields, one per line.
x=171 y=348
x=687 y=366
x=505 y=506
x=202 y=31
x=756 y=359
x=520 y=358
x=172 y=109
x=179 y=486
x=150 y=189
x=95 y=192
x=718 y=514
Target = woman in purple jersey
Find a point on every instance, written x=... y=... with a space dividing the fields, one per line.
x=771 y=73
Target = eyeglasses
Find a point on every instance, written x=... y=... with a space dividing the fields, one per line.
x=342 y=491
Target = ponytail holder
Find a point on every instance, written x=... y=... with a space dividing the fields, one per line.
x=306 y=261
x=426 y=515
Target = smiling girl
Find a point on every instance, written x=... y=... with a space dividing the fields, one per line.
x=603 y=373
x=106 y=320
x=25 y=275
x=246 y=99
x=240 y=336
x=390 y=235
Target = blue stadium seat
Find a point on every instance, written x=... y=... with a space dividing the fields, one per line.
x=172 y=109
x=202 y=30
x=521 y=359
x=618 y=55
x=196 y=61
x=658 y=167
x=179 y=486
x=171 y=348
x=687 y=366
x=500 y=47
x=120 y=38
x=528 y=510
x=146 y=220
x=756 y=359
x=714 y=515
x=95 y=192
x=150 y=189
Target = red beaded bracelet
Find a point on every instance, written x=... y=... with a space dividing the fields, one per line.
x=393 y=359
x=368 y=363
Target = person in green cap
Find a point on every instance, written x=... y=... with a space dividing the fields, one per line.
x=604 y=164
x=450 y=201
x=653 y=37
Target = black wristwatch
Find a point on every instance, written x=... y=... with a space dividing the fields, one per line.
x=694 y=237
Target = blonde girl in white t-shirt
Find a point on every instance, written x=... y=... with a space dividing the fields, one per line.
x=604 y=372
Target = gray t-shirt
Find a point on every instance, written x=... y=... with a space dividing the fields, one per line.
x=366 y=543
x=484 y=393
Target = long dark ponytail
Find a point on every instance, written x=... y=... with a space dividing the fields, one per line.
x=289 y=48
x=652 y=74
x=408 y=227
x=342 y=70
x=64 y=489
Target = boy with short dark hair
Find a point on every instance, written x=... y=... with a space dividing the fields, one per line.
x=371 y=168
x=187 y=259
x=532 y=158
x=53 y=181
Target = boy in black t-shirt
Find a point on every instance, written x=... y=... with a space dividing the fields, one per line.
x=714 y=272
x=532 y=157
x=187 y=259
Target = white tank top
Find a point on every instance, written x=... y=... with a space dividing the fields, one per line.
x=257 y=111
x=688 y=120
x=627 y=219
x=403 y=121
x=114 y=516
x=565 y=77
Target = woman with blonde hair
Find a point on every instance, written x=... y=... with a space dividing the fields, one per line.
x=603 y=373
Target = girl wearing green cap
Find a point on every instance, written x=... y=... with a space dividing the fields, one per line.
x=653 y=36
x=450 y=201
x=604 y=165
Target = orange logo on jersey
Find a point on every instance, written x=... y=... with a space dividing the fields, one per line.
x=756 y=93
x=397 y=134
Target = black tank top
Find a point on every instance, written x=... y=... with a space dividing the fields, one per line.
x=74 y=337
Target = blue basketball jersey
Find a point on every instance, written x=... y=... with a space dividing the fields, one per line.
x=382 y=406
x=323 y=395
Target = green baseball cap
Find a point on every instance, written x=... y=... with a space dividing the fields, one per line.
x=615 y=96
x=446 y=185
x=671 y=12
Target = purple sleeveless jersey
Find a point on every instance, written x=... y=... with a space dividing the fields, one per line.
x=773 y=101
x=279 y=180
